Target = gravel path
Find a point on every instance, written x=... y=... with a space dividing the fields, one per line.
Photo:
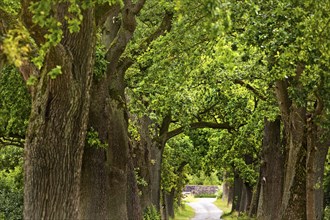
x=205 y=209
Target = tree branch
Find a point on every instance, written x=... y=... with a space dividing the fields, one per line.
x=10 y=141
x=138 y=6
x=124 y=34
x=164 y=27
x=281 y=90
x=251 y=88
x=103 y=11
x=319 y=104
x=165 y=125
x=202 y=124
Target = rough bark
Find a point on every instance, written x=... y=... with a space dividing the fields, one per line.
x=156 y=157
x=294 y=186
x=243 y=199
x=311 y=171
x=133 y=200
x=316 y=157
x=169 y=198
x=230 y=196
x=320 y=160
x=57 y=126
x=142 y=159
x=94 y=198
x=225 y=190
x=271 y=172
x=237 y=193
x=255 y=199
x=95 y=173
x=108 y=117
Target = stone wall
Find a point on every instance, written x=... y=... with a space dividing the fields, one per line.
x=200 y=189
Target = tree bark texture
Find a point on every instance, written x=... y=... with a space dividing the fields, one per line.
x=237 y=193
x=156 y=157
x=133 y=199
x=142 y=159
x=57 y=125
x=255 y=199
x=225 y=190
x=271 y=172
x=108 y=117
x=316 y=157
x=169 y=199
x=294 y=185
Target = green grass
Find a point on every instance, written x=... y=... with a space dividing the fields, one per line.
x=223 y=206
x=190 y=198
x=226 y=211
x=184 y=213
x=205 y=196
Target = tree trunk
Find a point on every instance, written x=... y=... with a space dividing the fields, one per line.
x=142 y=160
x=243 y=200
x=156 y=158
x=108 y=117
x=95 y=173
x=249 y=195
x=316 y=156
x=320 y=160
x=294 y=117
x=230 y=196
x=94 y=190
x=294 y=189
x=255 y=199
x=225 y=191
x=237 y=193
x=311 y=171
x=57 y=126
x=246 y=198
x=133 y=200
x=169 y=198
x=271 y=172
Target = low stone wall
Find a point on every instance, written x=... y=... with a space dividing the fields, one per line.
x=200 y=189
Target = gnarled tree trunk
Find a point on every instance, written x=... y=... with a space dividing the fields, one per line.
x=108 y=117
x=294 y=185
x=237 y=192
x=271 y=172
x=142 y=159
x=316 y=156
x=57 y=126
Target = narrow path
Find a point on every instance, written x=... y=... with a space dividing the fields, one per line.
x=205 y=209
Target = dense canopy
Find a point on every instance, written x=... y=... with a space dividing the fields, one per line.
x=108 y=108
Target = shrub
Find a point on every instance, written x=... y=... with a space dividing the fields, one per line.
x=11 y=195
x=11 y=183
x=326 y=213
x=151 y=213
x=205 y=195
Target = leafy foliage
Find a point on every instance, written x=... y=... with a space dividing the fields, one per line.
x=93 y=139
x=14 y=103
x=11 y=183
x=150 y=213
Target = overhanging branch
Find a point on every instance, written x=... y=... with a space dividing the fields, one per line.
x=11 y=141
x=197 y=125
x=251 y=88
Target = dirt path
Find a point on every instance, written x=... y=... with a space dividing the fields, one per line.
x=205 y=209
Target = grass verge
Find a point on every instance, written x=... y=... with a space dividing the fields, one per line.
x=226 y=212
x=184 y=212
